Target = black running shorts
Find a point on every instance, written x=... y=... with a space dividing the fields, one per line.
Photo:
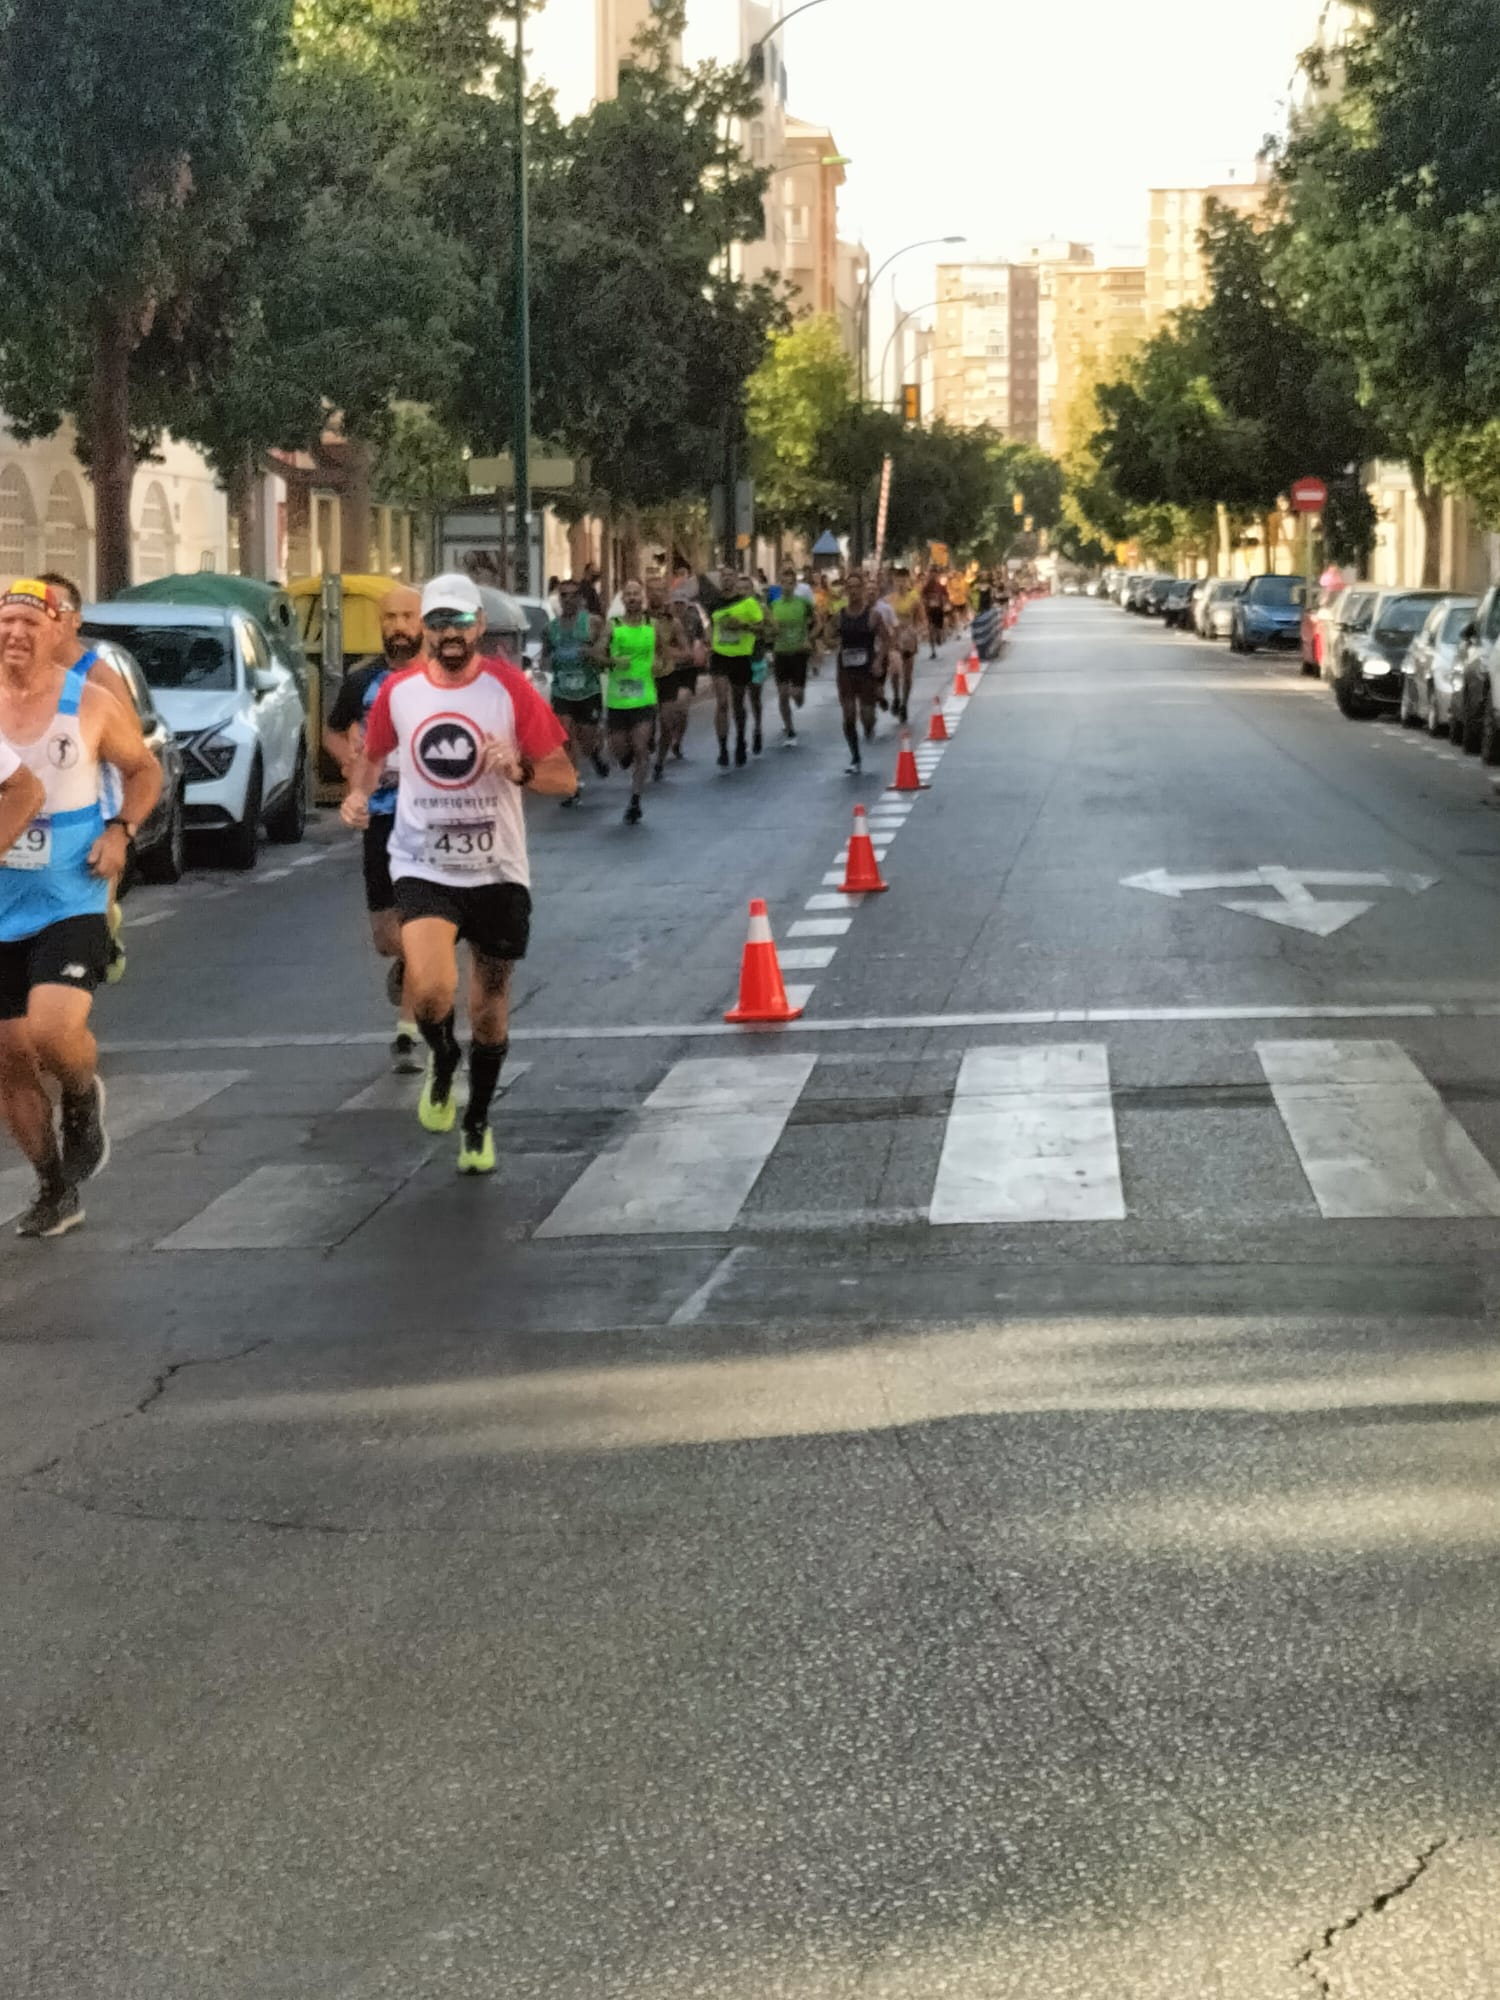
x=72 y=952
x=791 y=669
x=492 y=918
x=380 y=895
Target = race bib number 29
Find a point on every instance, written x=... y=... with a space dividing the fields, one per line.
x=465 y=847
x=33 y=851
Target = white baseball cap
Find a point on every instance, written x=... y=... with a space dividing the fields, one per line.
x=451 y=593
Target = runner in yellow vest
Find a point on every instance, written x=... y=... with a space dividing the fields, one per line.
x=630 y=699
x=736 y=627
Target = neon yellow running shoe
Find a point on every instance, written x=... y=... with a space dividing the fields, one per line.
x=477 y=1156
x=435 y=1113
x=114 y=969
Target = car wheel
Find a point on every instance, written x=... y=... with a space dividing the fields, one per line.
x=1474 y=724
x=167 y=861
x=1456 y=722
x=1349 y=705
x=288 y=823
x=242 y=842
x=1409 y=716
x=1489 y=736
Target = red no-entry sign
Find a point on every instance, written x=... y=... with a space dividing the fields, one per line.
x=1310 y=496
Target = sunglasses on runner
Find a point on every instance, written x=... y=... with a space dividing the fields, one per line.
x=450 y=621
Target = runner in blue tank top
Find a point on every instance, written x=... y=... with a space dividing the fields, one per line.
x=55 y=880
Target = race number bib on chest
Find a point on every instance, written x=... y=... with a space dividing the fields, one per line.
x=461 y=846
x=33 y=851
x=854 y=656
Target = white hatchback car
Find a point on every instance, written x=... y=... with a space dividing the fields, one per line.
x=236 y=709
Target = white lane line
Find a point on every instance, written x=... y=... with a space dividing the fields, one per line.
x=1373 y=1136
x=816 y=958
x=152 y=917
x=136 y=1103
x=811 y=927
x=693 y=1153
x=696 y=1303
x=839 y=902
x=1042 y=1017
x=1031 y=1138
x=275 y=875
x=400 y=1093
x=288 y=1207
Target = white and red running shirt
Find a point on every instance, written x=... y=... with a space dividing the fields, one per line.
x=455 y=823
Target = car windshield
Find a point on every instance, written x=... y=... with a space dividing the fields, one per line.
x=1224 y=591
x=1453 y=625
x=536 y=620
x=176 y=656
x=1279 y=590
x=1404 y=618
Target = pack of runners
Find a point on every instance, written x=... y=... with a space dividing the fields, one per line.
x=437 y=739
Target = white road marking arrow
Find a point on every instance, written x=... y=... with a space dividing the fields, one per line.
x=1298 y=908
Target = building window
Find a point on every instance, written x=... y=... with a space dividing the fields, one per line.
x=17 y=525
x=758 y=142
x=798 y=223
x=67 y=530
x=155 y=542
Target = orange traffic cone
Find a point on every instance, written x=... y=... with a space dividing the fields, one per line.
x=961 y=685
x=937 y=729
x=908 y=778
x=974 y=661
x=762 y=994
x=862 y=870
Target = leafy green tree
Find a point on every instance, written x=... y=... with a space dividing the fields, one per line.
x=793 y=400
x=1394 y=202
x=128 y=139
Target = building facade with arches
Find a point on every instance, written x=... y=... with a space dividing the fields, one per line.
x=178 y=510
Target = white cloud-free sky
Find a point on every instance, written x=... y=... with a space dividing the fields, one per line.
x=1010 y=121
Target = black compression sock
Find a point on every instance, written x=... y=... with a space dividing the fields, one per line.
x=485 y=1059
x=441 y=1039
x=851 y=737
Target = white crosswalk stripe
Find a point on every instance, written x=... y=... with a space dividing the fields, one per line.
x=288 y=1207
x=1031 y=1138
x=1373 y=1136
x=693 y=1155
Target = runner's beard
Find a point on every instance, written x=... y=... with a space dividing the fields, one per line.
x=454 y=653
x=402 y=647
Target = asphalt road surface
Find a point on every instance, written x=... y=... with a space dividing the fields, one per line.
x=989 y=1491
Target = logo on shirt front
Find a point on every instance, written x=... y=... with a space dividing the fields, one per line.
x=62 y=752
x=446 y=751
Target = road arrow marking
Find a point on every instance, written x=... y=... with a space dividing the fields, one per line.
x=1318 y=919
x=1298 y=908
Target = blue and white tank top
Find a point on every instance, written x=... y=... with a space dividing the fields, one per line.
x=45 y=877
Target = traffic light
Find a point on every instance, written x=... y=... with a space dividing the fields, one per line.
x=911 y=403
x=1018 y=501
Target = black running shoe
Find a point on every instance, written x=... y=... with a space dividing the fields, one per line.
x=85 y=1143
x=756 y=744
x=677 y=751
x=633 y=813
x=55 y=1211
x=395 y=981
x=408 y=1057
x=601 y=769
x=739 y=754
x=723 y=756
x=658 y=770
x=854 y=770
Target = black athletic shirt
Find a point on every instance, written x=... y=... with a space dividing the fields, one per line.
x=857 y=634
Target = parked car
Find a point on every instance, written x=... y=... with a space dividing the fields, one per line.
x=1367 y=672
x=1219 y=609
x=1478 y=670
x=1154 y=596
x=1268 y=613
x=1177 y=603
x=158 y=853
x=1431 y=673
x=236 y=710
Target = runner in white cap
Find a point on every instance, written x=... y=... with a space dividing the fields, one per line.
x=469 y=734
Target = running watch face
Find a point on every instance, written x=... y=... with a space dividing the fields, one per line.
x=446 y=751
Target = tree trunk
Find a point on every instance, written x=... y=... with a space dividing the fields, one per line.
x=355 y=540
x=1226 y=541
x=1430 y=507
x=630 y=565
x=1272 y=532
x=246 y=499
x=112 y=466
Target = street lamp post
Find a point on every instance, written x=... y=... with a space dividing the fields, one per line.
x=911 y=314
x=523 y=322
x=927 y=243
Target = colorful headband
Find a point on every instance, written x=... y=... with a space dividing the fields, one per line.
x=37 y=596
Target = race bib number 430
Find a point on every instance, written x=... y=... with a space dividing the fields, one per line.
x=33 y=851
x=465 y=847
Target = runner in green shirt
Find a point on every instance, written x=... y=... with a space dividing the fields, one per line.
x=630 y=692
x=792 y=620
x=570 y=655
x=732 y=661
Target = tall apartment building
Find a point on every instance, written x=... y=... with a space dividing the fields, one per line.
x=1096 y=320
x=616 y=25
x=985 y=358
x=1176 y=273
x=806 y=191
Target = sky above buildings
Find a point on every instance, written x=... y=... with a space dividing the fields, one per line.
x=1009 y=121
